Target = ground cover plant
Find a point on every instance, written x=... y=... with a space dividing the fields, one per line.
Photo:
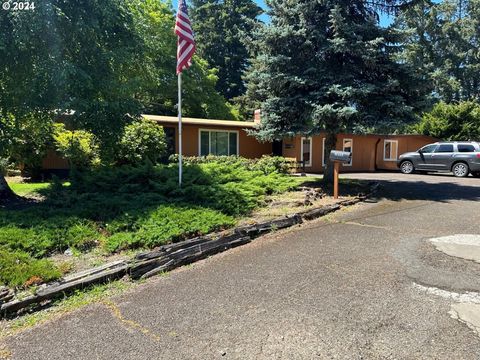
x=130 y=207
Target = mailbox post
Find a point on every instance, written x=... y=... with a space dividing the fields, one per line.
x=338 y=157
x=336 y=172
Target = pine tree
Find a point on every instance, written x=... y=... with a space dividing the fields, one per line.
x=221 y=29
x=443 y=45
x=326 y=66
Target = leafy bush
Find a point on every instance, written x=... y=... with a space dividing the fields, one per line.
x=24 y=140
x=79 y=147
x=271 y=164
x=451 y=122
x=142 y=140
x=19 y=269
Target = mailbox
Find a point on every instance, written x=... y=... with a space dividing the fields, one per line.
x=340 y=156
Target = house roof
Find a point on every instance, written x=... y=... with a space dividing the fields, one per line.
x=205 y=122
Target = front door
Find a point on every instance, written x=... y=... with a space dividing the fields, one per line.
x=425 y=158
x=277 y=148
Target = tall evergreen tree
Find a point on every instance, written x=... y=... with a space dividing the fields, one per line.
x=443 y=44
x=222 y=28
x=326 y=66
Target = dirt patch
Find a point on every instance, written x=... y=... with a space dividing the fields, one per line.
x=84 y=261
x=312 y=194
x=16 y=179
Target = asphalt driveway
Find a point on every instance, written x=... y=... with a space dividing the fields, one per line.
x=351 y=286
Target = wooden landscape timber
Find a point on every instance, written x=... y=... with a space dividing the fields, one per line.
x=164 y=258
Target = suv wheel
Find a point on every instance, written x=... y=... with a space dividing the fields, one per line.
x=406 y=167
x=460 y=169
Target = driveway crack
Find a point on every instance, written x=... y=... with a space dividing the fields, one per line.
x=131 y=324
x=365 y=225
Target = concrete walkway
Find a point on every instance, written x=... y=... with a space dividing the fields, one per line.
x=363 y=284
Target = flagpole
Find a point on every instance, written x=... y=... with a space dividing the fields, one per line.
x=180 y=160
x=185 y=51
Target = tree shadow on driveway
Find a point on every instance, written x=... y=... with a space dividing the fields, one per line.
x=443 y=190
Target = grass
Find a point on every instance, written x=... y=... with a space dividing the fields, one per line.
x=128 y=208
x=32 y=189
x=28 y=189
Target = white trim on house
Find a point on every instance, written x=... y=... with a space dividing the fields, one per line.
x=308 y=164
x=173 y=120
x=343 y=147
x=210 y=140
x=391 y=150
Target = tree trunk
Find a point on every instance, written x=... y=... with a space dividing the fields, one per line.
x=330 y=144
x=5 y=192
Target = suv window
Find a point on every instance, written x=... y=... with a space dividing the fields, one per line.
x=465 y=148
x=429 y=148
x=444 y=148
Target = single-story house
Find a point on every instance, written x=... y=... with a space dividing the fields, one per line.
x=369 y=152
x=202 y=137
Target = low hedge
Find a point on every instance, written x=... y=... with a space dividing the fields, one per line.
x=267 y=164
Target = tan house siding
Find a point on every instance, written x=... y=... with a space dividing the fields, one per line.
x=53 y=161
x=249 y=146
x=364 y=158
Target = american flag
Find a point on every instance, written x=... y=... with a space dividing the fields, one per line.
x=186 y=41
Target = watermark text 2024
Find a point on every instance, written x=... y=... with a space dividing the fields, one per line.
x=18 y=5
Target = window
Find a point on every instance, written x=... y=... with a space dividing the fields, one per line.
x=324 y=153
x=306 y=151
x=444 y=148
x=390 y=150
x=428 y=149
x=218 y=142
x=348 y=146
x=465 y=148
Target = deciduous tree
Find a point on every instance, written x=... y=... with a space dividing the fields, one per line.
x=154 y=22
x=102 y=62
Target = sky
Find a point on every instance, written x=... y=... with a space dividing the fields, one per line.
x=384 y=20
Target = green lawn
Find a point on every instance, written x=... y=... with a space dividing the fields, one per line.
x=32 y=189
x=128 y=208
x=26 y=189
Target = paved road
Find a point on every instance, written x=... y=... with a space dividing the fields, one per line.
x=337 y=288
